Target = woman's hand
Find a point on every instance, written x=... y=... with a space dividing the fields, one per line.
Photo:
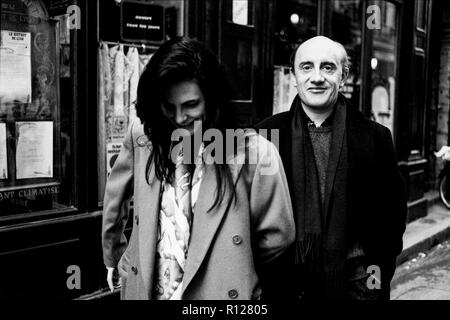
x=444 y=153
x=113 y=277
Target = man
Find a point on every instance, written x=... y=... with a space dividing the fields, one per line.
x=347 y=192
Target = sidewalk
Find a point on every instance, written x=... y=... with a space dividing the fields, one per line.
x=426 y=277
x=427 y=232
x=423 y=271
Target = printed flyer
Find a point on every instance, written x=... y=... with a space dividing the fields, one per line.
x=15 y=67
x=34 y=151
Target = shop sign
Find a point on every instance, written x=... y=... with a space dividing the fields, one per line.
x=142 y=22
x=28 y=193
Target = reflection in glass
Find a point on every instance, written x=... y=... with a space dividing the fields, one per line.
x=383 y=74
x=36 y=114
x=296 y=22
x=346 y=28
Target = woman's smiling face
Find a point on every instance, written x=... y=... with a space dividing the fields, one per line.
x=183 y=104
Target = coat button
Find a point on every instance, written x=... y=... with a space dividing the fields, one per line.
x=142 y=140
x=135 y=270
x=237 y=240
x=233 y=294
x=136 y=218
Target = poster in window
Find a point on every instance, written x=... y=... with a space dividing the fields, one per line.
x=112 y=152
x=34 y=150
x=240 y=12
x=15 y=67
x=3 y=155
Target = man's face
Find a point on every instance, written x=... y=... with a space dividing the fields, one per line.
x=318 y=72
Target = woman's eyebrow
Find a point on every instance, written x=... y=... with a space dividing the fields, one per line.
x=190 y=101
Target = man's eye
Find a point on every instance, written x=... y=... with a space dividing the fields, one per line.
x=306 y=68
x=328 y=68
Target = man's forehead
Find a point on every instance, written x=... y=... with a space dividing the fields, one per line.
x=319 y=49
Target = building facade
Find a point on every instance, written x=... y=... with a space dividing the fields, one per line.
x=68 y=75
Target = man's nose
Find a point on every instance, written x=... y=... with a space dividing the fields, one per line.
x=317 y=76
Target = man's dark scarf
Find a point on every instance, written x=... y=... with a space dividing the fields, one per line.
x=320 y=248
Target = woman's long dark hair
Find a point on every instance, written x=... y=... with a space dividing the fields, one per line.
x=177 y=60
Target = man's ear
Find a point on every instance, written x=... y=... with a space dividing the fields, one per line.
x=345 y=73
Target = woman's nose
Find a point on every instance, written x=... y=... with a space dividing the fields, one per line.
x=180 y=116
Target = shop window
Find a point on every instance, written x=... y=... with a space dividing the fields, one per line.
x=346 y=28
x=36 y=110
x=123 y=55
x=383 y=66
x=296 y=22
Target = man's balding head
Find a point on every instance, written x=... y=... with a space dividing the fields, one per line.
x=322 y=40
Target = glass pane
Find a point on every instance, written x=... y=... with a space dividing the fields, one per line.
x=120 y=66
x=238 y=57
x=35 y=110
x=383 y=67
x=296 y=22
x=346 y=28
x=421 y=14
x=174 y=16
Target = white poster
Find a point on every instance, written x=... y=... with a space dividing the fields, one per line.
x=34 y=151
x=112 y=152
x=15 y=67
x=240 y=12
x=3 y=155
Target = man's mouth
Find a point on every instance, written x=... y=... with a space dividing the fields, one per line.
x=317 y=90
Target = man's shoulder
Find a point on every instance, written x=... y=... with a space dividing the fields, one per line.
x=277 y=121
x=358 y=117
x=367 y=126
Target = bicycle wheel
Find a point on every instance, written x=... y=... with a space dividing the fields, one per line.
x=444 y=191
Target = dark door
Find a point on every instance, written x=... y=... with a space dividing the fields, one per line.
x=239 y=49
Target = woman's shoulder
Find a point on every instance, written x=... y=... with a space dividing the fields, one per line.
x=258 y=143
x=253 y=148
x=137 y=133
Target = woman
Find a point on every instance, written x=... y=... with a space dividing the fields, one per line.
x=201 y=229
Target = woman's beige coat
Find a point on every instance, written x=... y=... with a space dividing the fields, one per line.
x=227 y=243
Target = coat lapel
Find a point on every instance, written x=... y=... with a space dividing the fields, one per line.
x=339 y=132
x=206 y=221
x=360 y=147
